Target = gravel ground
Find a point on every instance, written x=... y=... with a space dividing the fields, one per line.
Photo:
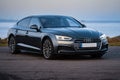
x=32 y=66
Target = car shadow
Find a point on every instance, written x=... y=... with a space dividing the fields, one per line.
x=60 y=57
x=75 y=57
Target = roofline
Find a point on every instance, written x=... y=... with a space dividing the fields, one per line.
x=47 y=15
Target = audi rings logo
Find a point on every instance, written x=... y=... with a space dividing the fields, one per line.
x=87 y=40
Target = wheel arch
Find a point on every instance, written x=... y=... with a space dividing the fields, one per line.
x=11 y=35
x=53 y=40
x=44 y=38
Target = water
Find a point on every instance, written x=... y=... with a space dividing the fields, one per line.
x=110 y=29
x=4 y=26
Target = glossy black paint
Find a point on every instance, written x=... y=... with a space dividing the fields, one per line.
x=75 y=33
x=30 y=34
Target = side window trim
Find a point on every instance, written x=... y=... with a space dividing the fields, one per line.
x=27 y=24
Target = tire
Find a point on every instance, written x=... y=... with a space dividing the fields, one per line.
x=47 y=49
x=98 y=55
x=12 y=46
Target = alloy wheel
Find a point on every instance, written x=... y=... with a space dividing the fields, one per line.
x=47 y=49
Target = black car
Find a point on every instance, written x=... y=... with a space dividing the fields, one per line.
x=55 y=34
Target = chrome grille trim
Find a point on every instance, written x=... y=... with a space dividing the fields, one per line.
x=89 y=40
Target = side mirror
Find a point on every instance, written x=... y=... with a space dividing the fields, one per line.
x=34 y=27
x=84 y=26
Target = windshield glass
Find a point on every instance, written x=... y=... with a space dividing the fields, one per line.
x=58 y=22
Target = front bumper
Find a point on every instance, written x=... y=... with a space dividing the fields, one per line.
x=72 y=47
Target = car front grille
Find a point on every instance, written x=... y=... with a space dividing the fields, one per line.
x=88 y=40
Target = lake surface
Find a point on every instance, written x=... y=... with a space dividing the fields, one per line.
x=4 y=27
x=110 y=29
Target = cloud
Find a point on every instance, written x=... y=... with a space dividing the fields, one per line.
x=87 y=9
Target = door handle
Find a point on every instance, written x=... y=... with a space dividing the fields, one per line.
x=26 y=32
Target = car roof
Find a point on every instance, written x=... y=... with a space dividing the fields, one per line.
x=47 y=16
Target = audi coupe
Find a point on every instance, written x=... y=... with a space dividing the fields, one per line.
x=55 y=34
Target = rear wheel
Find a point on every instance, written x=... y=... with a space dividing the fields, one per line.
x=12 y=46
x=48 y=49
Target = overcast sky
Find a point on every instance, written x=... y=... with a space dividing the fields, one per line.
x=81 y=9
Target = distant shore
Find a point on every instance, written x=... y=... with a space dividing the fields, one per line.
x=99 y=21
x=3 y=42
x=86 y=21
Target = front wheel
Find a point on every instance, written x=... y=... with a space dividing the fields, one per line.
x=48 y=49
x=12 y=46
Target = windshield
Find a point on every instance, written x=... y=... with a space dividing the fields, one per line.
x=58 y=22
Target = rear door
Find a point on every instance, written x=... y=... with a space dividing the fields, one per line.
x=22 y=30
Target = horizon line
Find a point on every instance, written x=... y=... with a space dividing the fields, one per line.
x=88 y=21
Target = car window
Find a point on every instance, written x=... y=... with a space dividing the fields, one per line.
x=49 y=22
x=35 y=21
x=58 y=22
x=72 y=22
x=24 y=23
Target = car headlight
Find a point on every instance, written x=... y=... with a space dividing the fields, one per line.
x=63 y=38
x=103 y=37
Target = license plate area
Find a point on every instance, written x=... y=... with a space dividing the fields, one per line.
x=88 y=45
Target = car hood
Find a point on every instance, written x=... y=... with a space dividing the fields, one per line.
x=73 y=32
